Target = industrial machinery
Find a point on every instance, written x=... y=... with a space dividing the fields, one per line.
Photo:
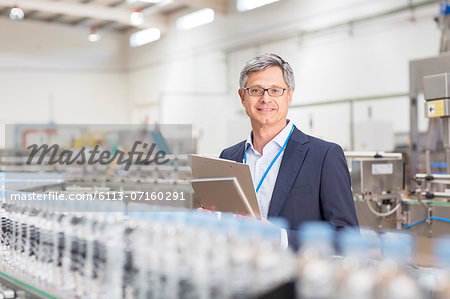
x=411 y=191
x=54 y=248
x=378 y=179
x=378 y=184
x=104 y=162
x=432 y=194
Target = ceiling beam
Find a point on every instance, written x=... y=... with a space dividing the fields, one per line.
x=155 y=8
x=104 y=24
x=4 y=10
x=219 y=6
x=91 y=11
x=52 y=18
x=30 y=14
x=79 y=21
x=117 y=3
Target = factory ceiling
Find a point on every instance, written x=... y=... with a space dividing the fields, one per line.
x=106 y=14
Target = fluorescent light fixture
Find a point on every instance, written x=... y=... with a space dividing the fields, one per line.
x=195 y=19
x=244 y=5
x=16 y=13
x=136 y=17
x=146 y=1
x=94 y=36
x=144 y=37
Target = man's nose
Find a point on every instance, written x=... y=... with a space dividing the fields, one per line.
x=265 y=98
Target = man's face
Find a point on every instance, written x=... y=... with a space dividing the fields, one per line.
x=267 y=110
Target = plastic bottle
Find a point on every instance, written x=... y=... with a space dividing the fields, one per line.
x=442 y=256
x=357 y=271
x=395 y=279
x=274 y=265
x=316 y=270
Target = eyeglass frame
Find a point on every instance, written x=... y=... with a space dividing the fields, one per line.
x=264 y=90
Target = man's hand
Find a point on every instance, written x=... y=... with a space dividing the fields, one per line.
x=248 y=217
x=209 y=210
x=206 y=209
x=265 y=221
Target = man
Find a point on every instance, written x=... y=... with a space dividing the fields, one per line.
x=296 y=176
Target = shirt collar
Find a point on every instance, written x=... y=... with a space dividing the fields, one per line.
x=280 y=138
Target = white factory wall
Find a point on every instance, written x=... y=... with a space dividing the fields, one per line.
x=53 y=73
x=192 y=77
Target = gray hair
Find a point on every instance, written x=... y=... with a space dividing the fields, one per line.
x=265 y=61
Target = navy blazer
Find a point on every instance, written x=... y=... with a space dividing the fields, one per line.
x=313 y=184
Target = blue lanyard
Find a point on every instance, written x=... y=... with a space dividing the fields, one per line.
x=271 y=163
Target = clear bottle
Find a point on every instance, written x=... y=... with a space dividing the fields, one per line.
x=170 y=256
x=395 y=275
x=442 y=257
x=357 y=271
x=218 y=258
x=243 y=258
x=316 y=269
x=112 y=236
x=274 y=265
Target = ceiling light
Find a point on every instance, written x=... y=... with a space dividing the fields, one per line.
x=144 y=37
x=147 y=1
x=16 y=13
x=244 y=5
x=136 y=17
x=94 y=36
x=195 y=19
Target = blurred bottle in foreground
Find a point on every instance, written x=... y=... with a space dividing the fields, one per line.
x=442 y=256
x=357 y=270
x=394 y=274
x=316 y=269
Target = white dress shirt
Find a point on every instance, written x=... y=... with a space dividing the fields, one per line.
x=259 y=162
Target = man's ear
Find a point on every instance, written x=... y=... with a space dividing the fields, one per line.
x=241 y=94
x=291 y=95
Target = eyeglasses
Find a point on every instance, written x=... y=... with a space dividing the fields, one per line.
x=273 y=92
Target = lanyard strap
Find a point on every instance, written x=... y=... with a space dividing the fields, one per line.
x=271 y=163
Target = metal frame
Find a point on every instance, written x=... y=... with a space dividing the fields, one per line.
x=417 y=70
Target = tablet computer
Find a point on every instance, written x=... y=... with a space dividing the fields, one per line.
x=222 y=194
x=214 y=168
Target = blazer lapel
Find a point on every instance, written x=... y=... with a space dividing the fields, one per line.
x=293 y=158
x=238 y=155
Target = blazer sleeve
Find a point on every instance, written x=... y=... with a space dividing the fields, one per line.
x=293 y=241
x=336 y=198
